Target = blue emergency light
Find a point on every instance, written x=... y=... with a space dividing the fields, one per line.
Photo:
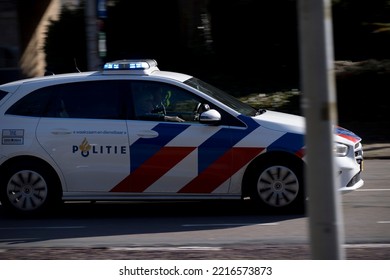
x=130 y=64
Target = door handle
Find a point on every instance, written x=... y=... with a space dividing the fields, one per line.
x=147 y=134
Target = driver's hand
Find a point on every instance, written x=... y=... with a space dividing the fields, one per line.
x=173 y=119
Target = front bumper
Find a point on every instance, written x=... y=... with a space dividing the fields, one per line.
x=350 y=169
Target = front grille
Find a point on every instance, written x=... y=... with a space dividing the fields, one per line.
x=358 y=152
x=359 y=156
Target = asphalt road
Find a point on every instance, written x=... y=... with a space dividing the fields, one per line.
x=217 y=230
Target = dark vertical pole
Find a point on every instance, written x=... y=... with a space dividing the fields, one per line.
x=320 y=109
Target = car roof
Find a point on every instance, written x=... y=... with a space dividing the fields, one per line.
x=53 y=79
x=12 y=86
x=171 y=75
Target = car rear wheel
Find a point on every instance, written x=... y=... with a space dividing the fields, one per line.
x=278 y=185
x=28 y=188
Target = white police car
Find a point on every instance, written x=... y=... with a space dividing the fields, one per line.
x=133 y=132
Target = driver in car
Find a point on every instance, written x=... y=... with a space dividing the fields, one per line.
x=151 y=106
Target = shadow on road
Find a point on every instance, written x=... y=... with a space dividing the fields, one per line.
x=78 y=220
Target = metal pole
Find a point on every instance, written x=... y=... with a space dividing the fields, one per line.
x=93 y=60
x=320 y=109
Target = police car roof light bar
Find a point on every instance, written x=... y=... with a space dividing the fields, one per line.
x=131 y=66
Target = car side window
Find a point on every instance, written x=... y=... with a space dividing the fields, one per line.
x=89 y=100
x=33 y=104
x=163 y=102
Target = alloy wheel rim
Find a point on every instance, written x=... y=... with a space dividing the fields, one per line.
x=27 y=190
x=278 y=186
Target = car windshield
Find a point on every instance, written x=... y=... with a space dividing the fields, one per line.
x=222 y=96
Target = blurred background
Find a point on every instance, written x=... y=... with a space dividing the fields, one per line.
x=248 y=48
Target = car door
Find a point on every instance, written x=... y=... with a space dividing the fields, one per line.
x=85 y=133
x=175 y=155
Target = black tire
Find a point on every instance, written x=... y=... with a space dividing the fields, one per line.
x=277 y=185
x=28 y=188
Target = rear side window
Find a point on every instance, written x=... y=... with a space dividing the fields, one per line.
x=90 y=100
x=32 y=105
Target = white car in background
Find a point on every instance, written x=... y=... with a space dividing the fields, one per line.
x=133 y=132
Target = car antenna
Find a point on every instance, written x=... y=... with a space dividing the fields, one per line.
x=75 y=64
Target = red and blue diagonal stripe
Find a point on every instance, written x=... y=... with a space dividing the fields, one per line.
x=150 y=159
x=342 y=132
x=288 y=142
x=221 y=142
x=218 y=158
x=145 y=148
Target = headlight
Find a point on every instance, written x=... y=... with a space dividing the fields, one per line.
x=341 y=150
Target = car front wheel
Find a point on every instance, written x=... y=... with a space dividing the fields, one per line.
x=278 y=185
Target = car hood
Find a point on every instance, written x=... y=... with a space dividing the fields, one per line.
x=343 y=135
x=281 y=121
x=296 y=124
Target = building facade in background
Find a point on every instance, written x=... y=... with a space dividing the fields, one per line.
x=23 y=25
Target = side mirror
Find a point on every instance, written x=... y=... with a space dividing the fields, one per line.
x=210 y=117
